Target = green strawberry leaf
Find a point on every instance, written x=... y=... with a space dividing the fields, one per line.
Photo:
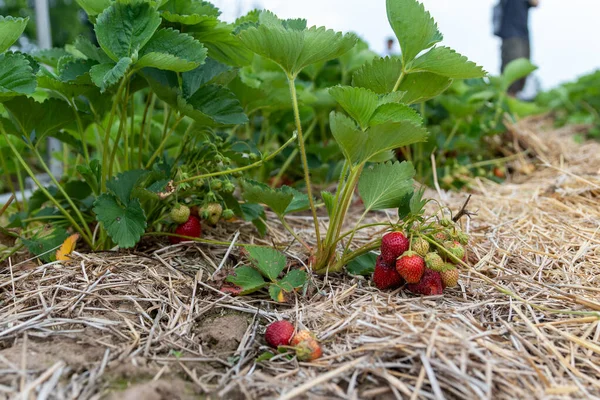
x=216 y=103
x=361 y=146
x=211 y=72
x=292 y=280
x=362 y=103
x=40 y=119
x=125 y=27
x=247 y=278
x=106 y=75
x=50 y=56
x=359 y=103
x=446 y=62
x=277 y=200
x=380 y=76
x=207 y=104
x=44 y=246
x=10 y=30
x=404 y=210
x=187 y=12
x=75 y=70
x=362 y=265
x=124 y=223
x=94 y=7
x=422 y=86
x=222 y=44
x=384 y=185
x=16 y=75
x=91 y=51
x=92 y=174
x=414 y=27
x=168 y=49
x=70 y=90
x=293 y=47
x=268 y=261
x=516 y=70
x=255 y=213
x=395 y=112
x=123 y=184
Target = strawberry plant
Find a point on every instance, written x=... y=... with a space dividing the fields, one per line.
x=144 y=119
x=377 y=116
x=266 y=266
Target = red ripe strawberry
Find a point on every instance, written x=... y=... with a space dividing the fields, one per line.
x=190 y=228
x=411 y=266
x=393 y=245
x=279 y=333
x=429 y=285
x=386 y=276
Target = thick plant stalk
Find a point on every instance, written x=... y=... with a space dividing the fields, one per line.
x=292 y=84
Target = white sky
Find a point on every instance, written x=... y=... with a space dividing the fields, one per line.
x=565 y=34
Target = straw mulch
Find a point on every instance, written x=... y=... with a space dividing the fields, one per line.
x=524 y=323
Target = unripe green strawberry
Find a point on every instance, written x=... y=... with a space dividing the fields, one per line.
x=180 y=213
x=228 y=187
x=228 y=214
x=445 y=222
x=214 y=211
x=421 y=246
x=216 y=184
x=449 y=275
x=463 y=238
x=434 y=261
x=454 y=248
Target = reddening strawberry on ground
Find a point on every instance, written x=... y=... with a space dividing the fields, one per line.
x=279 y=333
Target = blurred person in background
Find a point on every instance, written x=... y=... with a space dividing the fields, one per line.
x=511 y=24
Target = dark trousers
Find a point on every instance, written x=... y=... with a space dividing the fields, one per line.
x=513 y=48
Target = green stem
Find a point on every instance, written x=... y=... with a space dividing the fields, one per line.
x=292 y=85
x=86 y=154
x=356 y=253
x=79 y=229
x=290 y=230
x=343 y=235
x=10 y=253
x=122 y=128
x=292 y=156
x=125 y=130
x=162 y=144
x=105 y=147
x=231 y=171
x=452 y=133
x=61 y=190
x=355 y=229
x=21 y=181
x=399 y=81
x=7 y=175
x=149 y=103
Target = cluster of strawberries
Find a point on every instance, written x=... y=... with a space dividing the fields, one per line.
x=280 y=334
x=428 y=263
